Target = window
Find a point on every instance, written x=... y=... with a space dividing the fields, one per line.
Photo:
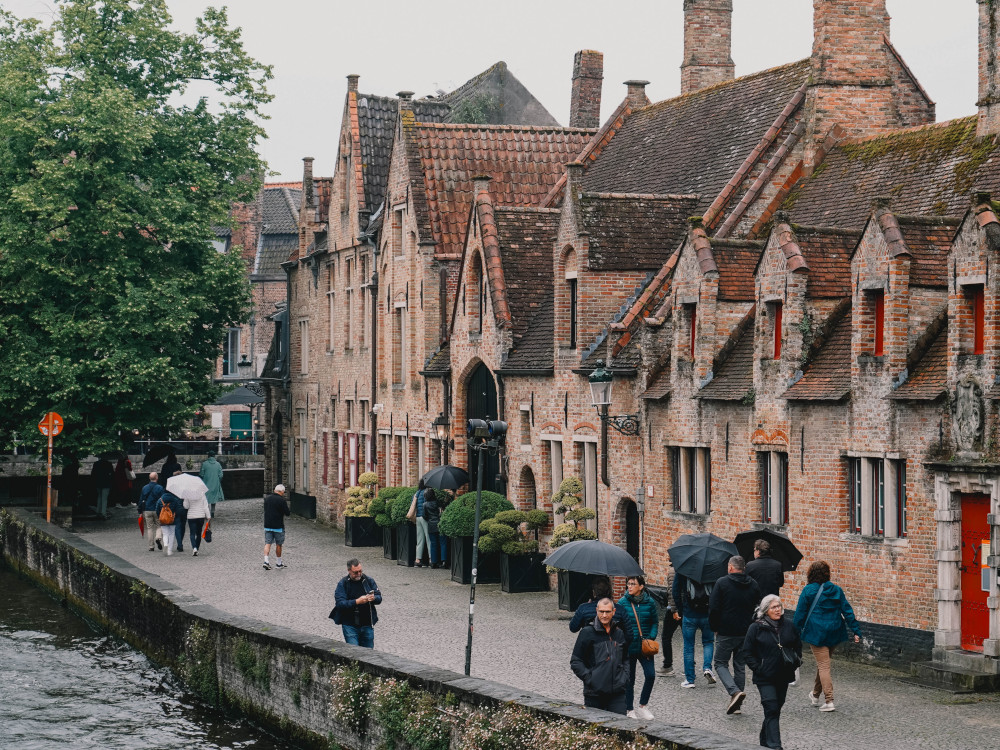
x=692 y=328
x=586 y=456
x=421 y=450
x=348 y=304
x=326 y=458
x=572 y=312
x=231 y=354
x=331 y=300
x=901 y=514
x=363 y=415
x=303 y=451
x=691 y=479
x=773 y=467
x=363 y=282
x=878 y=316
x=480 y=295
x=776 y=311
x=397 y=232
x=856 y=495
x=303 y=346
x=555 y=464
x=977 y=304
x=525 y=427
x=398 y=325
x=877 y=496
x=352 y=459
x=349 y=404
x=340 y=460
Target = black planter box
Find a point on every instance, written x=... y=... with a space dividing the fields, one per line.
x=390 y=546
x=520 y=574
x=574 y=589
x=460 y=549
x=406 y=538
x=360 y=532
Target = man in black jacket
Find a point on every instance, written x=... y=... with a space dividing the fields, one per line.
x=765 y=570
x=599 y=660
x=356 y=597
x=730 y=611
x=275 y=510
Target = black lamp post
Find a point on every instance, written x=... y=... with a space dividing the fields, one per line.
x=600 y=395
x=441 y=426
x=245 y=367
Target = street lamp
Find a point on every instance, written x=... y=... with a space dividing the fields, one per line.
x=245 y=367
x=600 y=394
x=441 y=431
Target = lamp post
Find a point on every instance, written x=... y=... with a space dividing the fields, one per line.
x=600 y=395
x=441 y=426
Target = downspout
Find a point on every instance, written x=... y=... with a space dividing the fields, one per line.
x=373 y=396
x=501 y=408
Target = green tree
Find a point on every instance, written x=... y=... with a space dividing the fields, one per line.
x=123 y=142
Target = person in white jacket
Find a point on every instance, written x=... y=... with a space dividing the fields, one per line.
x=197 y=511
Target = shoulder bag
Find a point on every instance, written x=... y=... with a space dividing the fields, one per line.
x=411 y=514
x=813 y=607
x=790 y=656
x=649 y=646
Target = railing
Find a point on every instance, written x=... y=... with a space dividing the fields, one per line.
x=199 y=446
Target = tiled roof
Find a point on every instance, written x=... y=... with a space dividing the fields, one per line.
x=534 y=350
x=659 y=387
x=828 y=376
x=440 y=361
x=693 y=144
x=498 y=96
x=274 y=250
x=737 y=261
x=828 y=254
x=927 y=171
x=733 y=370
x=929 y=378
x=634 y=232
x=523 y=162
x=280 y=207
x=929 y=242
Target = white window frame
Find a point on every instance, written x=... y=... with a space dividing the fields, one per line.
x=691 y=476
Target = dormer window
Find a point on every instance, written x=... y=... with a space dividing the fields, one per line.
x=878 y=321
x=691 y=311
x=571 y=291
x=978 y=304
x=776 y=309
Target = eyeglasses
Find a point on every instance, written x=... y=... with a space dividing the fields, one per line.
x=632 y=583
x=776 y=606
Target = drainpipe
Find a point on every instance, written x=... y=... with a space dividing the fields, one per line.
x=367 y=237
x=501 y=404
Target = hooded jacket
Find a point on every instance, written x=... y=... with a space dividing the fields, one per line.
x=599 y=659
x=826 y=624
x=732 y=604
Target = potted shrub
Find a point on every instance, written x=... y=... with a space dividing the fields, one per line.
x=381 y=509
x=568 y=500
x=406 y=532
x=458 y=522
x=360 y=529
x=509 y=533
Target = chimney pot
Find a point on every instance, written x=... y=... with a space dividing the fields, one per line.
x=708 y=41
x=637 y=93
x=405 y=95
x=352 y=82
x=585 y=99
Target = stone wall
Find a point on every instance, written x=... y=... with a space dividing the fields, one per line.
x=314 y=691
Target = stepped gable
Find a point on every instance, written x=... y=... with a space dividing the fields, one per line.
x=828 y=376
x=694 y=144
x=926 y=171
x=495 y=97
x=929 y=241
x=633 y=232
x=827 y=252
x=523 y=163
x=929 y=365
x=737 y=263
x=733 y=368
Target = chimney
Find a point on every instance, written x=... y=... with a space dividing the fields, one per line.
x=636 y=95
x=308 y=196
x=989 y=84
x=585 y=101
x=708 y=41
x=574 y=176
x=352 y=82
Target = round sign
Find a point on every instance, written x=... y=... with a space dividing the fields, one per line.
x=51 y=418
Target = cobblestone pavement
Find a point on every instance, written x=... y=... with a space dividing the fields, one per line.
x=522 y=640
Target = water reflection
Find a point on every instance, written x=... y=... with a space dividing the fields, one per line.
x=64 y=686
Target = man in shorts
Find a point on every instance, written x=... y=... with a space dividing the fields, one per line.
x=275 y=510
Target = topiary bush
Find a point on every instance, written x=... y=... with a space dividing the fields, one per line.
x=401 y=504
x=359 y=498
x=459 y=518
x=381 y=506
x=568 y=501
x=504 y=531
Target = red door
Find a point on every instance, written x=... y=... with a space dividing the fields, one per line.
x=975 y=534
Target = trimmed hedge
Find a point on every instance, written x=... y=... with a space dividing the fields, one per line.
x=401 y=504
x=459 y=518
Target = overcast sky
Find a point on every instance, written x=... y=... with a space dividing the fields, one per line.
x=426 y=45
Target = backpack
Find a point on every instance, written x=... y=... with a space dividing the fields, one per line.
x=166 y=515
x=698 y=595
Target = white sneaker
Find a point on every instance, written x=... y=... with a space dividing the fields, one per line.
x=813 y=699
x=709 y=676
x=687 y=684
x=827 y=707
x=194 y=553
x=644 y=713
x=632 y=715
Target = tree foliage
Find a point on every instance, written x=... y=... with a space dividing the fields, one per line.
x=123 y=142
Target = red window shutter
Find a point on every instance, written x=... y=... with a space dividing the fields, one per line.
x=340 y=460
x=879 y=324
x=326 y=458
x=978 y=320
x=777 y=330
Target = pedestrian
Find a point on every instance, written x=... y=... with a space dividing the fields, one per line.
x=180 y=523
x=173 y=504
x=670 y=625
x=356 y=597
x=275 y=510
x=731 y=609
x=642 y=618
x=435 y=541
x=103 y=474
x=171 y=467
x=599 y=660
x=197 y=511
x=823 y=616
x=147 y=507
x=121 y=487
x=600 y=588
x=422 y=540
x=772 y=640
x=765 y=570
x=691 y=599
x=211 y=475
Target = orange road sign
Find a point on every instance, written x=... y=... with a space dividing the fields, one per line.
x=51 y=422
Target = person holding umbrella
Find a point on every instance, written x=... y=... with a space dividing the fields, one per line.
x=642 y=618
x=765 y=570
x=437 y=543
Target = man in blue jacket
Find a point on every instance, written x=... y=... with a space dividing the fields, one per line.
x=147 y=506
x=356 y=597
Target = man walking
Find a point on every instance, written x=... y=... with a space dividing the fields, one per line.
x=356 y=597
x=765 y=570
x=599 y=660
x=103 y=474
x=147 y=507
x=275 y=510
x=691 y=599
x=731 y=609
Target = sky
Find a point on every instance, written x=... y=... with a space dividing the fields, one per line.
x=430 y=45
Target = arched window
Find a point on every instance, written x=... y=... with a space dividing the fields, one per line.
x=572 y=300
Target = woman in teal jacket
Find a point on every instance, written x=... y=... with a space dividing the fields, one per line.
x=641 y=616
x=820 y=617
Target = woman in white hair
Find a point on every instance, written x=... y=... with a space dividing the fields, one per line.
x=773 y=651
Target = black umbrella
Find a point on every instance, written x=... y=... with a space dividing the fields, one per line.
x=158 y=452
x=446 y=478
x=240 y=395
x=592 y=556
x=782 y=548
x=702 y=557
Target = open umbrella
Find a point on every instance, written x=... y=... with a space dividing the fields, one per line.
x=187 y=486
x=782 y=548
x=702 y=557
x=592 y=556
x=446 y=478
x=158 y=452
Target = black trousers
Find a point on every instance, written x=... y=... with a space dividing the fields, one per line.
x=670 y=625
x=772 y=698
x=606 y=702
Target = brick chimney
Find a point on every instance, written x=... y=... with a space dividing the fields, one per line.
x=708 y=41
x=352 y=81
x=851 y=82
x=585 y=101
x=989 y=68
x=636 y=93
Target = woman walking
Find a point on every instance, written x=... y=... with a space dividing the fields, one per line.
x=197 y=511
x=821 y=616
x=770 y=642
x=167 y=524
x=642 y=619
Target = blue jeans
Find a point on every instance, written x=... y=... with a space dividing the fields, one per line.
x=180 y=526
x=195 y=526
x=689 y=625
x=649 y=675
x=439 y=547
x=359 y=635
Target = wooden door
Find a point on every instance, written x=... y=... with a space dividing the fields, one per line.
x=481 y=403
x=975 y=534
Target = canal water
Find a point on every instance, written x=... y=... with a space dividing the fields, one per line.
x=64 y=685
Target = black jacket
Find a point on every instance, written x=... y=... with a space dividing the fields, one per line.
x=763 y=656
x=599 y=659
x=768 y=574
x=732 y=604
x=275 y=510
x=432 y=514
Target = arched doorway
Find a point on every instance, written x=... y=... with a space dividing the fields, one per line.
x=481 y=403
x=632 y=529
x=527 y=494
